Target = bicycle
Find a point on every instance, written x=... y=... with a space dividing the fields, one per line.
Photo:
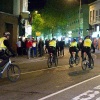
x=85 y=62
x=51 y=60
x=73 y=60
x=13 y=71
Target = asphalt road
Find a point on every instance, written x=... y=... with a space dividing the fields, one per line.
x=37 y=81
x=86 y=90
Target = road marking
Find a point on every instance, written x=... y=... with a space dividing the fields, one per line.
x=44 y=69
x=53 y=94
x=35 y=60
x=89 y=95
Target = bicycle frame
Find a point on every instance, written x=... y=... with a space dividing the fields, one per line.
x=73 y=53
x=51 y=55
x=6 y=66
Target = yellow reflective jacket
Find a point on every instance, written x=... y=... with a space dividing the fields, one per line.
x=73 y=44
x=87 y=43
x=52 y=43
x=2 y=46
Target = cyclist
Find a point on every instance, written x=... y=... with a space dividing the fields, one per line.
x=86 y=46
x=74 y=48
x=52 y=47
x=4 y=45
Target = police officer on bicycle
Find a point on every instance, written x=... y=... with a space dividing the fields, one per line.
x=86 y=46
x=74 y=48
x=4 y=45
x=52 y=47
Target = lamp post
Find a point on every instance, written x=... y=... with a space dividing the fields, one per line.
x=79 y=16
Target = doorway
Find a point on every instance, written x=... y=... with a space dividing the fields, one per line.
x=9 y=28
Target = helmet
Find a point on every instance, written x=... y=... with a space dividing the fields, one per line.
x=88 y=36
x=6 y=34
x=53 y=39
x=74 y=39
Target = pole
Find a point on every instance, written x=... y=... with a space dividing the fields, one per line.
x=79 y=16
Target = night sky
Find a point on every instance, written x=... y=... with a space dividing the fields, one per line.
x=39 y=4
x=36 y=4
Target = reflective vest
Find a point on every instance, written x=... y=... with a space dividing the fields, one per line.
x=73 y=44
x=52 y=43
x=2 y=46
x=87 y=43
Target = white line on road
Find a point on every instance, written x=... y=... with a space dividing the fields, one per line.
x=36 y=60
x=46 y=97
x=43 y=69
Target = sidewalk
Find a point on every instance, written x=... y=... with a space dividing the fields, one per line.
x=23 y=59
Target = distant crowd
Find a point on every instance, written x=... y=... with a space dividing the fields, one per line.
x=33 y=48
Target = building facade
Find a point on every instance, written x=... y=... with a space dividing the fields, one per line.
x=94 y=18
x=77 y=24
x=9 y=17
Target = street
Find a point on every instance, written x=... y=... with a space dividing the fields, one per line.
x=86 y=90
x=37 y=81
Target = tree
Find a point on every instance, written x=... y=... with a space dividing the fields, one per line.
x=55 y=14
x=37 y=23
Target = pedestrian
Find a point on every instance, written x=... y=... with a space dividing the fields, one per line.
x=57 y=48
x=61 y=44
x=19 y=47
x=33 y=47
x=29 y=46
x=99 y=43
x=41 y=47
x=46 y=45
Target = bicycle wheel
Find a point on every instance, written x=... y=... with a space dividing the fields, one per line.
x=92 y=63
x=49 y=62
x=56 y=61
x=84 y=65
x=77 y=60
x=13 y=72
x=71 y=62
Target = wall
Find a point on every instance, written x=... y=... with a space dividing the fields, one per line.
x=12 y=22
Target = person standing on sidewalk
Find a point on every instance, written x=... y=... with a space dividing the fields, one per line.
x=41 y=48
x=57 y=48
x=99 y=43
x=33 y=47
x=61 y=44
x=19 y=47
x=29 y=46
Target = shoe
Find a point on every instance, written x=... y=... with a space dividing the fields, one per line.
x=90 y=66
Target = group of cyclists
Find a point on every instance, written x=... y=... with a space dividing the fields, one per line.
x=85 y=46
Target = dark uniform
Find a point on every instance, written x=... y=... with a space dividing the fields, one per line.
x=52 y=47
x=86 y=47
x=74 y=48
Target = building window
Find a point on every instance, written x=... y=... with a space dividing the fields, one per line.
x=96 y=15
x=99 y=14
x=90 y=16
x=96 y=12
